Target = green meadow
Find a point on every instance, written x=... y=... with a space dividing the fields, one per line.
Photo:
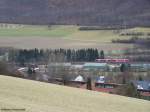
x=66 y=32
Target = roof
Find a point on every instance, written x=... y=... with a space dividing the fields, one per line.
x=22 y=69
x=95 y=64
x=79 y=79
x=77 y=66
x=140 y=65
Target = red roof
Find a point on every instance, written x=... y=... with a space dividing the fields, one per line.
x=145 y=94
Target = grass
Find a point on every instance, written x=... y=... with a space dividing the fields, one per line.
x=60 y=36
x=65 y=32
x=42 y=97
x=141 y=29
x=40 y=31
x=99 y=35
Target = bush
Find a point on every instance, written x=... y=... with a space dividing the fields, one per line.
x=7 y=70
x=128 y=90
x=3 y=68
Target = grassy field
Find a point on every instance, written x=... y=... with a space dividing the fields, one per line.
x=60 y=36
x=43 y=97
x=41 y=31
x=66 y=32
x=141 y=29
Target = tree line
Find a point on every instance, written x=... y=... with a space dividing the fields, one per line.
x=65 y=55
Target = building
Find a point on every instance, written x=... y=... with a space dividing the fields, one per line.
x=102 y=85
x=143 y=87
x=79 y=79
x=96 y=66
x=100 y=79
x=139 y=67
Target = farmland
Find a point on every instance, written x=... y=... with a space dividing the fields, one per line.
x=42 y=97
x=60 y=36
x=71 y=32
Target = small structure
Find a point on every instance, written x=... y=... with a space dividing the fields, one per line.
x=95 y=66
x=23 y=69
x=114 y=67
x=78 y=82
x=142 y=86
x=102 y=86
x=76 y=66
x=138 y=67
x=79 y=79
x=101 y=79
x=107 y=85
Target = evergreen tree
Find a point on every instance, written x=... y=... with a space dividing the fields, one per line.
x=36 y=55
x=89 y=83
x=122 y=67
x=102 y=56
x=29 y=71
x=140 y=78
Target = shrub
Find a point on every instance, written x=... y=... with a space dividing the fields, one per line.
x=128 y=90
x=3 y=68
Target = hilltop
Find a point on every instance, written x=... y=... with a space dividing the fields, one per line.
x=81 y=12
x=35 y=96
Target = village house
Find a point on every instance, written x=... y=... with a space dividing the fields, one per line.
x=143 y=87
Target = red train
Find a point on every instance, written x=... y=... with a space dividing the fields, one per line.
x=112 y=60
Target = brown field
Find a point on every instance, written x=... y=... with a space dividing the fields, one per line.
x=59 y=36
x=54 y=43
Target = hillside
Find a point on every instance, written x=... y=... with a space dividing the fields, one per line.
x=42 y=97
x=83 y=12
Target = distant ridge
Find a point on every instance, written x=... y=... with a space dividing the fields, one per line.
x=80 y=12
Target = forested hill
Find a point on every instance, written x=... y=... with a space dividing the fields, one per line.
x=82 y=12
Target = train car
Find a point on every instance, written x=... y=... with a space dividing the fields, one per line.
x=112 y=60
